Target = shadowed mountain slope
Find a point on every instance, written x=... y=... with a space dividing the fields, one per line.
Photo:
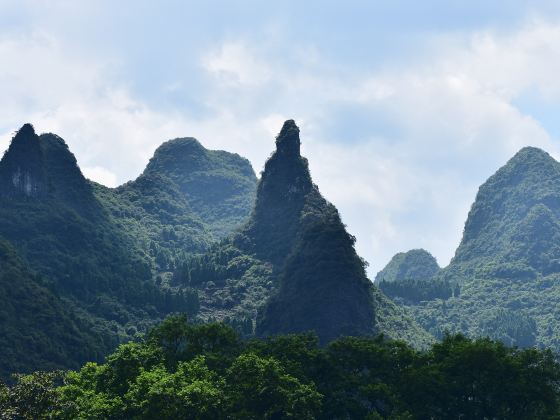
x=293 y=266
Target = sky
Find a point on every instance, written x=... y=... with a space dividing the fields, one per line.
x=405 y=107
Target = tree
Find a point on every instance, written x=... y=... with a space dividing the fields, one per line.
x=192 y=392
x=31 y=397
x=259 y=388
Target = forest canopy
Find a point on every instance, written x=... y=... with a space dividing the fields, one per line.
x=205 y=371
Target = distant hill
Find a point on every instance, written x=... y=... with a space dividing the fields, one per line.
x=416 y=264
x=219 y=186
x=187 y=198
x=412 y=276
x=507 y=266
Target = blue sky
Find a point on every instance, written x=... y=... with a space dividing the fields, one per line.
x=405 y=107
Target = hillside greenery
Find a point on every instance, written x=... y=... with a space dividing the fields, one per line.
x=107 y=255
x=504 y=278
x=293 y=266
x=181 y=370
x=414 y=265
x=219 y=186
x=38 y=328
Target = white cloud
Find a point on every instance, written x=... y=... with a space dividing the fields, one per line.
x=455 y=125
x=101 y=175
x=235 y=64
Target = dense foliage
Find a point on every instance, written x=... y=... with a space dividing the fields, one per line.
x=292 y=267
x=181 y=370
x=38 y=329
x=186 y=199
x=60 y=231
x=219 y=186
x=414 y=265
x=416 y=291
x=107 y=255
x=507 y=265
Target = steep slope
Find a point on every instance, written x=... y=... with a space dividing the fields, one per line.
x=51 y=216
x=512 y=210
x=322 y=286
x=285 y=193
x=57 y=224
x=293 y=266
x=37 y=328
x=508 y=262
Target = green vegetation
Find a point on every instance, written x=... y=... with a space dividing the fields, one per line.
x=292 y=267
x=38 y=329
x=507 y=265
x=181 y=370
x=416 y=291
x=411 y=276
x=218 y=186
x=61 y=231
x=187 y=198
x=107 y=255
x=414 y=265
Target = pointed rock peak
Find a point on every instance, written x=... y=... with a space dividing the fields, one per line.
x=22 y=170
x=26 y=130
x=24 y=142
x=24 y=135
x=287 y=142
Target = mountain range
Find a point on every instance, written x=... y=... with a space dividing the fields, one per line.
x=196 y=233
x=86 y=267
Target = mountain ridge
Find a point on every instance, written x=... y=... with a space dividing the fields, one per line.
x=109 y=253
x=504 y=275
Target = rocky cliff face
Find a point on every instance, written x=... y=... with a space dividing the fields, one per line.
x=22 y=169
x=322 y=285
x=283 y=192
x=42 y=167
